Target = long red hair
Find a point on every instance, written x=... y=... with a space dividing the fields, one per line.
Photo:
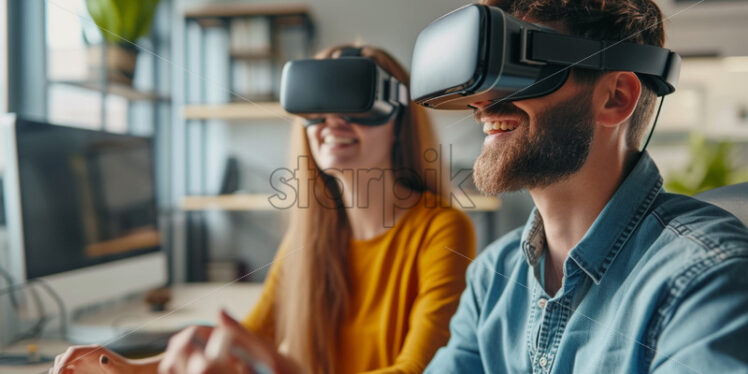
x=313 y=297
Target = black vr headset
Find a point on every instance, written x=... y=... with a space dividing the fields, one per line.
x=480 y=53
x=351 y=86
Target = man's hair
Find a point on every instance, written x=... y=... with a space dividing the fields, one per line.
x=637 y=21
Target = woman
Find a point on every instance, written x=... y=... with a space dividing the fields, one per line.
x=357 y=284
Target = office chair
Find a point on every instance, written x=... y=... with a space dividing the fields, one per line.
x=733 y=198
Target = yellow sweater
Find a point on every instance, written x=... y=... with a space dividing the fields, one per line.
x=406 y=285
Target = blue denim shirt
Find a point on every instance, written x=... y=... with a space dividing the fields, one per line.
x=658 y=284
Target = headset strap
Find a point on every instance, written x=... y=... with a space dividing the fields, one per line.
x=350 y=52
x=397 y=91
x=660 y=66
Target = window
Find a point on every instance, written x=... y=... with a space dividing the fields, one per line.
x=74 y=45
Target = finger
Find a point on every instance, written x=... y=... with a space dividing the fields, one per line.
x=56 y=368
x=180 y=346
x=64 y=360
x=219 y=344
x=70 y=356
x=226 y=319
x=197 y=363
x=246 y=348
x=79 y=353
x=258 y=356
x=245 y=338
x=190 y=335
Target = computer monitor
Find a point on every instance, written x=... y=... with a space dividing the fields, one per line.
x=81 y=211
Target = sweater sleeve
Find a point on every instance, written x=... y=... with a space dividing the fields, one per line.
x=261 y=320
x=447 y=250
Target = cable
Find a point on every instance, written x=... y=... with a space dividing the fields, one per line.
x=38 y=327
x=42 y=319
x=13 y=287
x=60 y=304
x=662 y=100
x=9 y=279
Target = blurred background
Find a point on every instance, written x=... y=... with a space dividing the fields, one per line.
x=201 y=78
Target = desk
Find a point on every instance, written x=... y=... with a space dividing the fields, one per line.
x=190 y=304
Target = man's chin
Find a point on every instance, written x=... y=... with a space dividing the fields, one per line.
x=489 y=173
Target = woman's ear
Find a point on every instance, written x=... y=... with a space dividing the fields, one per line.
x=616 y=96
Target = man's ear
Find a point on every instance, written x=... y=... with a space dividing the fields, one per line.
x=615 y=97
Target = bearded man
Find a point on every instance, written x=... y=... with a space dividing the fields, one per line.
x=610 y=274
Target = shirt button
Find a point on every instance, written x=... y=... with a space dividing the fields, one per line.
x=541 y=302
x=543 y=361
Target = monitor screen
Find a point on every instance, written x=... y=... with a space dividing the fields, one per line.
x=87 y=197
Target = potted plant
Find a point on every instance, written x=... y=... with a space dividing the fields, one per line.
x=122 y=23
x=711 y=166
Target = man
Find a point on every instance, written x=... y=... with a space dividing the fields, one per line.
x=610 y=273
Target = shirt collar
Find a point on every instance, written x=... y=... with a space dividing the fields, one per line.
x=612 y=227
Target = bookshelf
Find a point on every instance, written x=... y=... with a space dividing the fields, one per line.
x=262 y=37
x=255 y=40
x=236 y=111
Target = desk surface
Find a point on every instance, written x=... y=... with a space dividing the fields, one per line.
x=190 y=304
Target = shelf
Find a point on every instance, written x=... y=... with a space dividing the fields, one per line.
x=259 y=202
x=265 y=54
x=236 y=111
x=240 y=9
x=144 y=238
x=256 y=202
x=113 y=88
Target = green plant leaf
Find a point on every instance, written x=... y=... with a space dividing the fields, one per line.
x=107 y=18
x=710 y=166
x=122 y=21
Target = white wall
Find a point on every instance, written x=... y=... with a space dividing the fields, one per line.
x=708 y=26
x=393 y=24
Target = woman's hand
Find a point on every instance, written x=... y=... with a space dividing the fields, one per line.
x=91 y=359
x=227 y=348
x=182 y=346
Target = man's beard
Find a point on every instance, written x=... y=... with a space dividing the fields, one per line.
x=537 y=157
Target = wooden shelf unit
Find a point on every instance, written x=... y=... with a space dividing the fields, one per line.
x=259 y=202
x=236 y=111
x=261 y=38
x=114 y=88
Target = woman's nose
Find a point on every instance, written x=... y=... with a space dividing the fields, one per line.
x=335 y=121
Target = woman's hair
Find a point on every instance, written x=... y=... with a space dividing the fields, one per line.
x=314 y=288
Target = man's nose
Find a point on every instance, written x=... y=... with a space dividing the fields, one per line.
x=480 y=105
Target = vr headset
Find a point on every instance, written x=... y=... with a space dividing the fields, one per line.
x=351 y=86
x=480 y=53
